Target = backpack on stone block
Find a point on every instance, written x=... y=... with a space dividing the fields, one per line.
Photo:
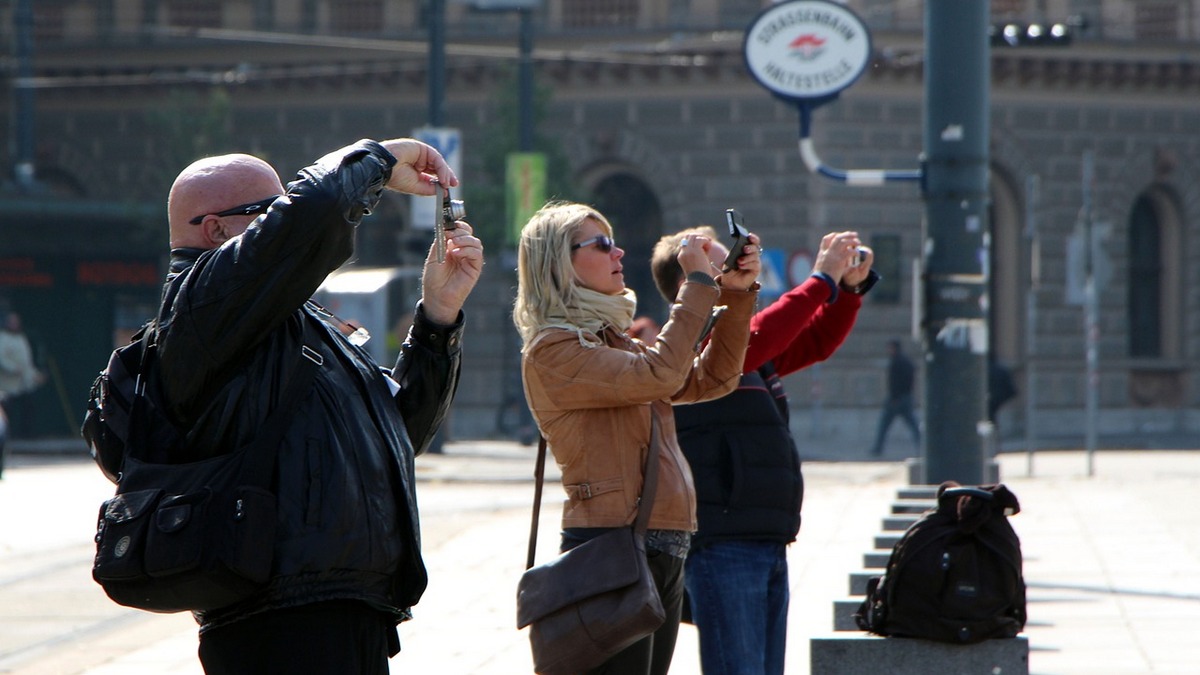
x=955 y=576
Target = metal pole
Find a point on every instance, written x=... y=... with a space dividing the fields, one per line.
x=437 y=62
x=24 y=168
x=1091 y=310
x=1032 y=185
x=957 y=77
x=525 y=82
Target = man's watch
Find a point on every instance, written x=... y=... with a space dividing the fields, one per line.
x=863 y=286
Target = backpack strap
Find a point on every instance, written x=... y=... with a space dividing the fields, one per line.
x=262 y=451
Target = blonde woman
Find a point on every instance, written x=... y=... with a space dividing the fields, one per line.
x=592 y=388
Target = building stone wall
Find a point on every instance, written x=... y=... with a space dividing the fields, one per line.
x=706 y=138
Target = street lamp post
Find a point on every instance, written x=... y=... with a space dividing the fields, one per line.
x=437 y=62
x=23 y=94
x=957 y=79
x=525 y=82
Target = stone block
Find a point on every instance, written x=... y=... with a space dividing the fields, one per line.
x=876 y=560
x=887 y=540
x=917 y=492
x=899 y=522
x=912 y=506
x=843 y=614
x=858 y=581
x=869 y=655
x=991 y=471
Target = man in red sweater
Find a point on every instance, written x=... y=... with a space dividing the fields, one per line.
x=744 y=461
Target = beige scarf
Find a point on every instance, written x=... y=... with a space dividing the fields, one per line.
x=594 y=311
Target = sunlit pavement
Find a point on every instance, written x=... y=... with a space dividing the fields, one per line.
x=1112 y=562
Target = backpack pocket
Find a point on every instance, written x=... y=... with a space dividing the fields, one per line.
x=121 y=534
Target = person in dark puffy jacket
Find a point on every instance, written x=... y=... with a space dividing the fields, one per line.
x=246 y=256
x=749 y=487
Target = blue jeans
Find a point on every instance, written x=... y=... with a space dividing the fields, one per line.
x=738 y=591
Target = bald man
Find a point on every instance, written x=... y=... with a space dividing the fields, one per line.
x=247 y=254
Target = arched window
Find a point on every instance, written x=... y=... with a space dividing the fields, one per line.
x=636 y=216
x=1154 y=289
x=1145 y=282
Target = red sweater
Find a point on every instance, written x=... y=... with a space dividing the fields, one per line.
x=800 y=328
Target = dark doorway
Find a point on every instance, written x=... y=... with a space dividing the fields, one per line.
x=637 y=221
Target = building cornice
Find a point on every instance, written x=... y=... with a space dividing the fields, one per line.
x=242 y=66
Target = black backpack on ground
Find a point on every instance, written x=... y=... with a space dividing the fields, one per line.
x=955 y=576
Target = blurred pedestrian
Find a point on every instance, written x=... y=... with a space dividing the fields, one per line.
x=901 y=376
x=1002 y=388
x=19 y=374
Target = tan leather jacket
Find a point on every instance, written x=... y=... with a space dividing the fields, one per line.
x=593 y=404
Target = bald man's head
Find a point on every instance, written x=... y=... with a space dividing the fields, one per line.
x=211 y=185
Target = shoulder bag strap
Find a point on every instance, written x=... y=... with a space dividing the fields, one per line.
x=538 y=473
x=649 y=488
x=649 y=479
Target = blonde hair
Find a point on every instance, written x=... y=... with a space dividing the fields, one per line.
x=546 y=283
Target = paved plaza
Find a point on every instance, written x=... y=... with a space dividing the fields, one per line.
x=1112 y=563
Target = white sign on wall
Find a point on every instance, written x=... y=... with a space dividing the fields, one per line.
x=423 y=210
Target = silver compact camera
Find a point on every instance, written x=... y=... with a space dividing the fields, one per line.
x=452 y=210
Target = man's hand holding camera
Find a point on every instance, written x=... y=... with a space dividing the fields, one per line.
x=844 y=258
x=444 y=286
x=417 y=166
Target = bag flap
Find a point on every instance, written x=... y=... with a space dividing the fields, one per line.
x=130 y=506
x=606 y=563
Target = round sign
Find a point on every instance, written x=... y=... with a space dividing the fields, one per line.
x=807 y=49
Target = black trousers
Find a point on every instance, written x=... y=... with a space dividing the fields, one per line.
x=341 y=637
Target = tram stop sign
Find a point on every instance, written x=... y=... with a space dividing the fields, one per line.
x=807 y=51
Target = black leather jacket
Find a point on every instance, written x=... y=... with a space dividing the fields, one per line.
x=230 y=329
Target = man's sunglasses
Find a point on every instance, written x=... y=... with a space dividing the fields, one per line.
x=251 y=209
x=602 y=242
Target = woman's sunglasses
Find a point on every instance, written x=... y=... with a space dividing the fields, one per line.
x=602 y=242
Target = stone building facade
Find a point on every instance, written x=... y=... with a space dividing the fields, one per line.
x=660 y=125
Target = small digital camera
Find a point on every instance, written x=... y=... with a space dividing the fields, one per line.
x=452 y=210
x=740 y=236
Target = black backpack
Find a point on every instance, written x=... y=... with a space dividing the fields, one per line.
x=106 y=423
x=955 y=576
